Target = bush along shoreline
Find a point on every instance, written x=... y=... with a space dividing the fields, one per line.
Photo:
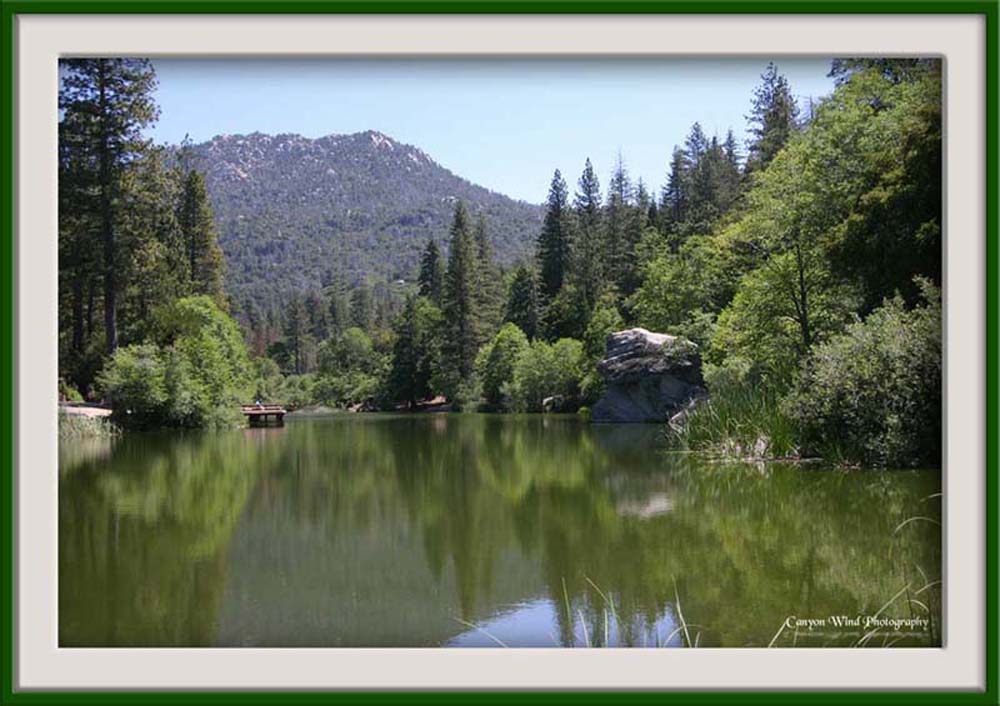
x=870 y=396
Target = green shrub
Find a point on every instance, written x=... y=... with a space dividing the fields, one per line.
x=196 y=377
x=547 y=370
x=351 y=350
x=134 y=380
x=351 y=388
x=298 y=391
x=873 y=394
x=495 y=364
x=69 y=393
x=268 y=380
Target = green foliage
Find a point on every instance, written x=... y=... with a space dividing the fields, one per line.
x=197 y=376
x=495 y=364
x=547 y=370
x=522 y=301
x=351 y=371
x=81 y=426
x=772 y=118
x=416 y=355
x=738 y=420
x=67 y=393
x=298 y=391
x=431 y=277
x=553 y=247
x=489 y=295
x=588 y=250
x=135 y=382
x=347 y=389
x=267 y=381
x=675 y=295
x=567 y=314
x=873 y=394
x=463 y=326
x=105 y=106
x=605 y=320
x=197 y=230
x=779 y=312
x=351 y=350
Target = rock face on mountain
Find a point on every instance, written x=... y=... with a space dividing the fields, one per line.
x=648 y=377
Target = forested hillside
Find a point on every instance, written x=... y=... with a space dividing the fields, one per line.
x=295 y=214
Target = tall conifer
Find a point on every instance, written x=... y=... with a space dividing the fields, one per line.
x=553 y=242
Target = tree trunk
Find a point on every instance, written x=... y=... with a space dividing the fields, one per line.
x=107 y=225
x=804 y=298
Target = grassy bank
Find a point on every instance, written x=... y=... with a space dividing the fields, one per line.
x=80 y=426
x=740 y=422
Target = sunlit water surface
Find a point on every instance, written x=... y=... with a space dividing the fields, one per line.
x=481 y=531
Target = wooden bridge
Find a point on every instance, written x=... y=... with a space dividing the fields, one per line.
x=264 y=414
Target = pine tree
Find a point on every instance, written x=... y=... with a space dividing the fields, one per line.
x=296 y=333
x=431 y=278
x=106 y=104
x=588 y=245
x=318 y=313
x=674 y=201
x=617 y=216
x=638 y=222
x=415 y=352
x=489 y=290
x=460 y=280
x=772 y=118
x=204 y=258
x=362 y=307
x=338 y=312
x=553 y=250
x=522 y=301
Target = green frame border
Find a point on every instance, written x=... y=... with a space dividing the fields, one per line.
x=10 y=9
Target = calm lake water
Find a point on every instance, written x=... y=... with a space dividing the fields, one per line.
x=480 y=530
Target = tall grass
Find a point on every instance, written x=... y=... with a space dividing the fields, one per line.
x=739 y=421
x=79 y=426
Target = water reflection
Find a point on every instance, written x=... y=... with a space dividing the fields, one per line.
x=370 y=530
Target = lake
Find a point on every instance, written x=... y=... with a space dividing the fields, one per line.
x=483 y=530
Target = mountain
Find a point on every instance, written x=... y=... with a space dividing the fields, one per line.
x=296 y=213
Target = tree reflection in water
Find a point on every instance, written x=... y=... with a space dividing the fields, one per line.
x=376 y=530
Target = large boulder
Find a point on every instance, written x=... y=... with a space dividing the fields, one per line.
x=648 y=377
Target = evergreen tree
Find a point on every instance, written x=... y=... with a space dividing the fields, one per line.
x=154 y=271
x=674 y=201
x=772 y=118
x=588 y=245
x=522 y=301
x=554 y=241
x=489 y=290
x=106 y=104
x=431 y=278
x=617 y=217
x=638 y=222
x=338 y=311
x=460 y=281
x=204 y=258
x=416 y=350
x=318 y=313
x=362 y=307
x=296 y=333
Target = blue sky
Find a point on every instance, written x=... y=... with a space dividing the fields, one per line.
x=505 y=124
